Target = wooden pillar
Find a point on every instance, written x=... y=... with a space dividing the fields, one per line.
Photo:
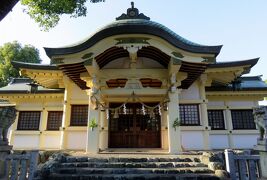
x=229 y=125
x=92 y=143
x=43 y=125
x=66 y=114
x=204 y=112
x=102 y=133
x=174 y=136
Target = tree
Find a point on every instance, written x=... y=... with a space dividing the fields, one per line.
x=47 y=12
x=14 y=51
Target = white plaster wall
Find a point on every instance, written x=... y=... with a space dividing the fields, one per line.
x=219 y=141
x=216 y=103
x=52 y=141
x=78 y=94
x=244 y=141
x=29 y=106
x=192 y=93
x=241 y=103
x=55 y=104
x=192 y=140
x=76 y=140
x=26 y=141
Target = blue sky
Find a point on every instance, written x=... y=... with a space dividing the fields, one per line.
x=239 y=25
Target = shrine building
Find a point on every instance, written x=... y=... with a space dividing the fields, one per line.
x=135 y=84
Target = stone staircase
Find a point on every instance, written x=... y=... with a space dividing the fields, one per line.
x=125 y=167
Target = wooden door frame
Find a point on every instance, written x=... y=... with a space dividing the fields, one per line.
x=159 y=139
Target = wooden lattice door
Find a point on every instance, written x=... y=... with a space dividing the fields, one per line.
x=134 y=129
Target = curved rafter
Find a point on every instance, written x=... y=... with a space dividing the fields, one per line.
x=114 y=53
x=194 y=70
x=73 y=71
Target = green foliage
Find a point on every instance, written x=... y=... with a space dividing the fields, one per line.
x=47 y=12
x=176 y=123
x=15 y=52
x=92 y=123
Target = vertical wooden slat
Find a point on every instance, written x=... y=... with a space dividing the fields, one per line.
x=23 y=169
x=7 y=167
x=33 y=163
x=242 y=169
x=230 y=163
x=252 y=170
x=14 y=169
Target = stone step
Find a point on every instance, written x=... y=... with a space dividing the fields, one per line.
x=188 y=176
x=82 y=171
x=131 y=164
x=70 y=159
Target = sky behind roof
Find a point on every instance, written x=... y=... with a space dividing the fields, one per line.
x=239 y=25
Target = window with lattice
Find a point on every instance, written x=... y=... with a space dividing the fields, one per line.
x=216 y=119
x=29 y=120
x=54 y=120
x=79 y=115
x=243 y=119
x=189 y=114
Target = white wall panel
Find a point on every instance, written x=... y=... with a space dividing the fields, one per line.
x=76 y=140
x=244 y=141
x=219 y=141
x=52 y=141
x=26 y=142
x=241 y=103
x=192 y=93
x=216 y=103
x=192 y=140
x=78 y=94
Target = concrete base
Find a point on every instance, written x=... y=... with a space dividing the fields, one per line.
x=92 y=141
x=261 y=145
x=4 y=151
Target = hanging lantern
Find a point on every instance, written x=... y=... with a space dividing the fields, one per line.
x=116 y=114
x=124 y=109
x=102 y=107
x=107 y=113
x=151 y=114
x=159 y=108
x=143 y=110
x=165 y=106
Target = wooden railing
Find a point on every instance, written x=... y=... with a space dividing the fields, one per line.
x=21 y=167
x=243 y=167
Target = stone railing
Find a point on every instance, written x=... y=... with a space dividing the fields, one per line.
x=242 y=166
x=21 y=166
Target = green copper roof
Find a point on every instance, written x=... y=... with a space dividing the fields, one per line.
x=21 y=65
x=135 y=23
x=249 y=62
x=154 y=24
x=249 y=83
x=22 y=86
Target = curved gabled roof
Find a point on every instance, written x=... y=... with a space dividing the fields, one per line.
x=137 y=24
x=21 y=65
x=249 y=62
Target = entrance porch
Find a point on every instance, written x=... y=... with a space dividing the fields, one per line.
x=135 y=121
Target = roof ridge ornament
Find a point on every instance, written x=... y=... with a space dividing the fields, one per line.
x=133 y=13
